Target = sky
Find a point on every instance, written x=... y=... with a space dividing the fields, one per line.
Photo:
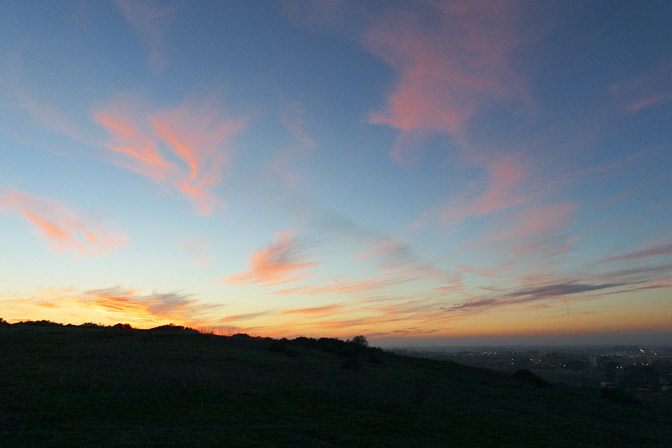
x=418 y=172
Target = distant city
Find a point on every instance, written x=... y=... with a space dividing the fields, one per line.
x=635 y=368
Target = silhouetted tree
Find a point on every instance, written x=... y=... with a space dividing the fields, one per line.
x=360 y=341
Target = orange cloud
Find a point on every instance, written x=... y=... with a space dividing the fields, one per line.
x=452 y=58
x=327 y=309
x=65 y=229
x=171 y=306
x=110 y=306
x=276 y=264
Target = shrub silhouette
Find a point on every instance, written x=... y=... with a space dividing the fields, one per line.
x=172 y=329
x=40 y=323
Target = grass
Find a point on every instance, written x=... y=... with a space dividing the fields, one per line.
x=115 y=387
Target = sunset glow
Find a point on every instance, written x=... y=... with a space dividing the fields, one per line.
x=430 y=172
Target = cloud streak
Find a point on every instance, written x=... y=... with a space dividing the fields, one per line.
x=653 y=251
x=453 y=58
x=278 y=263
x=65 y=229
x=148 y=19
x=186 y=146
x=646 y=89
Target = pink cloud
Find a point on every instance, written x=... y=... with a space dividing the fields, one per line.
x=186 y=147
x=64 y=228
x=198 y=134
x=504 y=190
x=540 y=220
x=278 y=263
x=142 y=149
x=452 y=58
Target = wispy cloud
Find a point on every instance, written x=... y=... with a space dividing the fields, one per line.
x=186 y=146
x=197 y=248
x=293 y=119
x=504 y=189
x=64 y=228
x=453 y=58
x=198 y=134
x=168 y=306
x=141 y=149
x=148 y=19
x=534 y=294
x=43 y=111
x=631 y=192
x=278 y=263
x=319 y=310
x=645 y=90
x=653 y=251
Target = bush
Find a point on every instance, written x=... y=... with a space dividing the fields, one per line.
x=40 y=323
x=172 y=329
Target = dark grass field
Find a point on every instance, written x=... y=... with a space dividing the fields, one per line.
x=119 y=387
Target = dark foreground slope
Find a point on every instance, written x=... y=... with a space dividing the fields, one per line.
x=116 y=387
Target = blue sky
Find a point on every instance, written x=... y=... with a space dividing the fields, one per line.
x=422 y=172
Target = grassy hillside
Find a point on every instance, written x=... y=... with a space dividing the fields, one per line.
x=119 y=387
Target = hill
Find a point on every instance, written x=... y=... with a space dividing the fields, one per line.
x=92 y=386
